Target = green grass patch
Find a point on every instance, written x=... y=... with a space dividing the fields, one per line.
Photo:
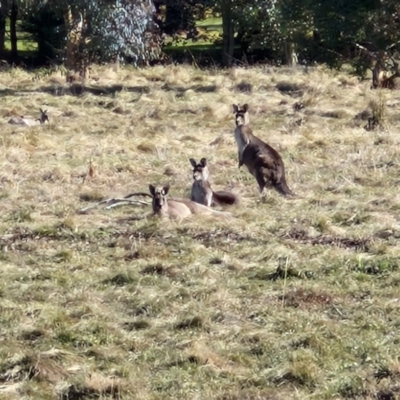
x=214 y=22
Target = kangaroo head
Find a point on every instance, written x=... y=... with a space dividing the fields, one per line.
x=43 y=116
x=241 y=114
x=159 y=194
x=200 y=170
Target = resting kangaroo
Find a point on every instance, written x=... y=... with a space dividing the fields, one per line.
x=262 y=161
x=30 y=121
x=201 y=188
x=177 y=207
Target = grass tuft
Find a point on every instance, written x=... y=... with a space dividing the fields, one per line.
x=189 y=323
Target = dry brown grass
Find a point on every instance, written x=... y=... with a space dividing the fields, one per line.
x=290 y=299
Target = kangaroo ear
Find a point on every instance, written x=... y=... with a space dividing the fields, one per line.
x=203 y=162
x=41 y=111
x=245 y=107
x=152 y=190
x=193 y=162
x=235 y=108
x=166 y=189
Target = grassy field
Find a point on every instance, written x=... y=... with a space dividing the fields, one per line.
x=289 y=299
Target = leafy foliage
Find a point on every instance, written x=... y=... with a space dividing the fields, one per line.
x=128 y=31
x=118 y=29
x=47 y=29
x=340 y=27
x=321 y=31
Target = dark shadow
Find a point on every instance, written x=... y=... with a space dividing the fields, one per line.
x=77 y=90
x=355 y=244
x=210 y=55
x=205 y=89
x=292 y=89
x=107 y=90
x=244 y=87
x=169 y=88
x=281 y=272
x=199 y=89
x=7 y=92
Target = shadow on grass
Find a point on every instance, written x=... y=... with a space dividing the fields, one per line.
x=197 y=89
x=209 y=55
x=206 y=55
x=110 y=91
x=77 y=90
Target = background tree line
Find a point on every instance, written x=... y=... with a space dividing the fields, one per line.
x=78 y=32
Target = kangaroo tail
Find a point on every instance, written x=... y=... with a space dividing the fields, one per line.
x=224 y=197
x=283 y=189
x=221 y=214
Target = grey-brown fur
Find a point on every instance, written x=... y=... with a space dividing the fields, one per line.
x=262 y=161
x=30 y=121
x=202 y=192
x=177 y=207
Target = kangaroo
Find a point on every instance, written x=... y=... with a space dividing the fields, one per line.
x=177 y=207
x=262 y=161
x=381 y=78
x=201 y=188
x=30 y=121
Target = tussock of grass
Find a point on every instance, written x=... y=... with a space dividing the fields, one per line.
x=291 y=299
x=244 y=87
x=289 y=87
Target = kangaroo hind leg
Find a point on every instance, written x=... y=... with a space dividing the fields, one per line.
x=263 y=182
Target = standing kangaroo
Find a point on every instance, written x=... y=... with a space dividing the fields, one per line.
x=30 y=121
x=201 y=188
x=262 y=161
x=177 y=207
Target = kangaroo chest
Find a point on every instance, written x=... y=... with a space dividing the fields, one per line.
x=242 y=140
x=201 y=192
x=199 y=187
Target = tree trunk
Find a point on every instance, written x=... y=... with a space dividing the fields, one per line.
x=13 y=30
x=228 y=42
x=290 y=54
x=70 y=45
x=3 y=18
x=74 y=29
x=244 y=43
